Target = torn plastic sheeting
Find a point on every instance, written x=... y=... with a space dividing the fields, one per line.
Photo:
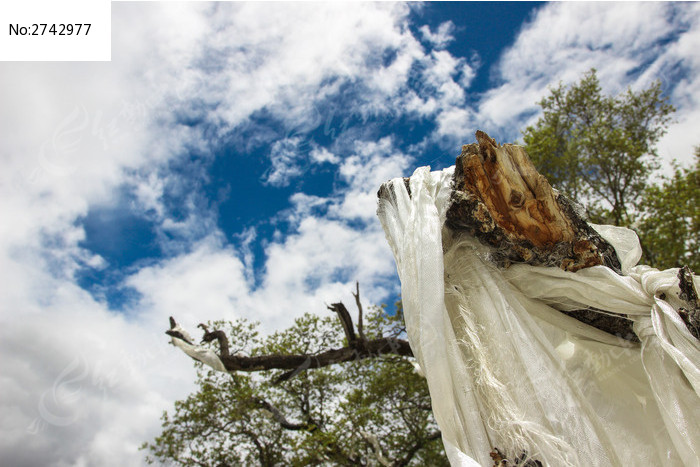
x=507 y=369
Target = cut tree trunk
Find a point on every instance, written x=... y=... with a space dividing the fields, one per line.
x=499 y=198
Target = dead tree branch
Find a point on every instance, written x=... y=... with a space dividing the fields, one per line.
x=218 y=335
x=281 y=419
x=356 y=294
x=358 y=348
x=345 y=320
x=499 y=198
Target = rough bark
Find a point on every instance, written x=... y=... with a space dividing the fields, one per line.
x=300 y=362
x=690 y=314
x=501 y=199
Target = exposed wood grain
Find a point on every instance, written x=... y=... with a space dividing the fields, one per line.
x=501 y=199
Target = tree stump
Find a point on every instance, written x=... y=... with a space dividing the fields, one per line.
x=501 y=199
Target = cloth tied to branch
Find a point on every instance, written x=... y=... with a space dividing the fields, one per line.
x=507 y=369
x=197 y=352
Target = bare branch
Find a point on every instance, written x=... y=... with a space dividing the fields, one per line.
x=281 y=419
x=345 y=320
x=219 y=336
x=292 y=373
x=360 y=326
x=296 y=363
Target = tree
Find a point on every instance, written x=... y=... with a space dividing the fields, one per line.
x=599 y=148
x=670 y=220
x=366 y=411
x=362 y=403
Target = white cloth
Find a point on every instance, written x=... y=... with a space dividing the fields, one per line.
x=202 y=354
x=507 y=369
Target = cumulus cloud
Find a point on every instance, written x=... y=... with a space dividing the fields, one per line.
x=314 y=265
x=371 y=164
x=442 y=36
x=629 y=44
x=320 y=155
x=80 y=385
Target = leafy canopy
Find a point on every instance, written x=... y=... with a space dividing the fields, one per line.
x=373 y=411
x=599 y=149
x=670 y=220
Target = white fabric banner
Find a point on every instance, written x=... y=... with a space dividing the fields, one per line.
x=506 y=369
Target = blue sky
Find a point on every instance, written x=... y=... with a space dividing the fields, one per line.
x=241 y=191
x=225 y=164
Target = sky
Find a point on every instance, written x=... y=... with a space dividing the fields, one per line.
x=225 y=165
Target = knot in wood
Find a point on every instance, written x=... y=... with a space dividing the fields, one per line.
x=517 y=199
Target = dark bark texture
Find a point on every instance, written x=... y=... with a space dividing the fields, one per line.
x=501 y=199
x=690 y=314
x=359 y=347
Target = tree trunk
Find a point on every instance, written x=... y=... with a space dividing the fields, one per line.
x=499 y=197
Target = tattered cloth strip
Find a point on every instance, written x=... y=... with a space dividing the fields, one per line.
x=182 y=340
x=507 y=369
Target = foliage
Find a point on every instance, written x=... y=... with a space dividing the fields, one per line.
x=599 y=148
x=367 y=412
x=670 y=223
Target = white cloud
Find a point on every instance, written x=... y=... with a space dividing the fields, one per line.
x=372 y=164
x=149 y=194
x=630 y=44
x=317 y=264
x=683 y=136
x=80 y=385
x=442 y=36
x=286 y=162
x=200 y=284
x=457 y=123
x=468 y=72
x=304 y=205
x=320 y=155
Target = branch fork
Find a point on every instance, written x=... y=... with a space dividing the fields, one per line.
x=358 y=347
